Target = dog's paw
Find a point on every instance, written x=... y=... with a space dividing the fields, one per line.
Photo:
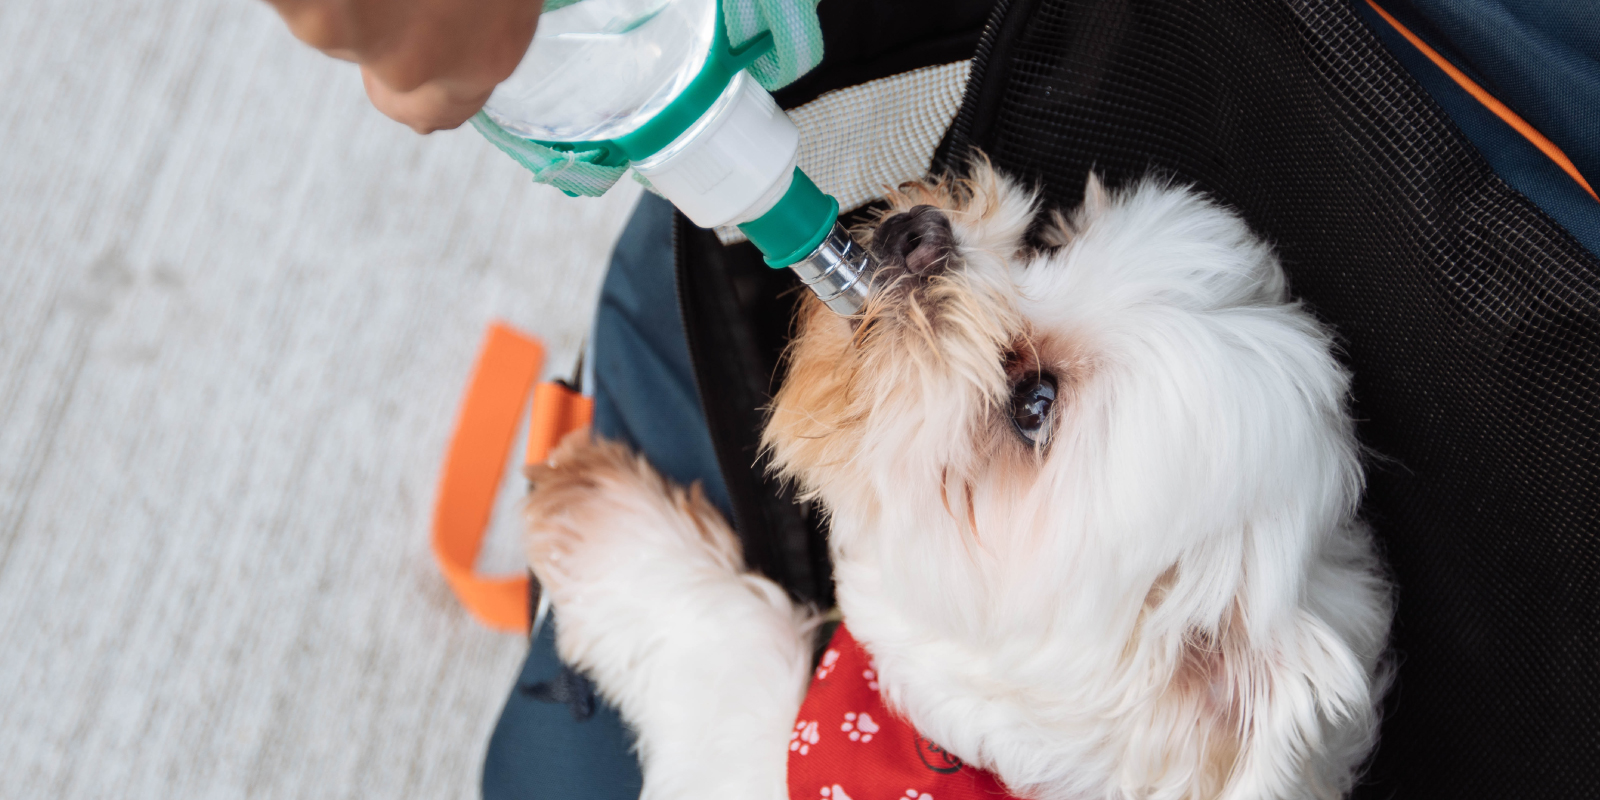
x=646 y=579
x=601 y=521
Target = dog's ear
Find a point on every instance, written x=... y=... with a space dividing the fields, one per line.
x=1096 y=198
x=1053 y=231
x=1263 y=708
x=918 y=239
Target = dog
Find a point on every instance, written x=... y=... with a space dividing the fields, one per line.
x=1092 y=488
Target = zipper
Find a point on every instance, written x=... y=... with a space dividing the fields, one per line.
x=692 y=342
x=777 y=538
x=960 y=133
x=690 y=339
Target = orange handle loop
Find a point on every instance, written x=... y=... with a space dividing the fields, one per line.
x=557 y=410
x=507 y=367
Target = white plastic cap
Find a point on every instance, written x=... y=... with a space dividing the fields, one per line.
x=733 y=164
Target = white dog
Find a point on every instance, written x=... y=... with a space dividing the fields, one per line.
x=1092 y=513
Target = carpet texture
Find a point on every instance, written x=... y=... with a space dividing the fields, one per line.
x=237 y=311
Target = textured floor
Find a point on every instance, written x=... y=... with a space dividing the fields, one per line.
x=237 y=309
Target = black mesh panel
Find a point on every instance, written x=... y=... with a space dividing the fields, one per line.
x=1471 y=321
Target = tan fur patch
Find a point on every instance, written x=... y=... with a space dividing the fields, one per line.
x=585 y=477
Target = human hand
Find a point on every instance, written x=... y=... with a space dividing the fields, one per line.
x=430 y=64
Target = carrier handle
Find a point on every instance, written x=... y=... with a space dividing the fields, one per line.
x=507 y=367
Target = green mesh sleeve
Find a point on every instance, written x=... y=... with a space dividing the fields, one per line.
x=572 y=172
x=797 y=47
x=796 y=37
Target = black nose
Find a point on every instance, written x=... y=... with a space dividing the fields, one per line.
x=918 y=240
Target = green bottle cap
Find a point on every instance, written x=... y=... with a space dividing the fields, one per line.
x=790 y=230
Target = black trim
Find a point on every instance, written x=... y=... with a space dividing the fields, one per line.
x=865 y=41
x=820 y=81
x=977 y=101
x=736 y=313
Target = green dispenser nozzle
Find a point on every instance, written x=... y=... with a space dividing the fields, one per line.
x=802 y=232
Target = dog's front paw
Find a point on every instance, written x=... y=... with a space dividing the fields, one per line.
x=646 y=579
x=604 y=527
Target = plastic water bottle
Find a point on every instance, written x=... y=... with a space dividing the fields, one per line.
x=656 y=84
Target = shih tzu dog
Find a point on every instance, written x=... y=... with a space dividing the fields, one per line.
x=1092 y=491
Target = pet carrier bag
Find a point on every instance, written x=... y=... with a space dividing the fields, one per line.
x=1456 y=261
x=1468 y=313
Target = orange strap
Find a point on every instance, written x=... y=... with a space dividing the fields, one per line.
x=507 y=367
x=1500 y=109
x=557 y=410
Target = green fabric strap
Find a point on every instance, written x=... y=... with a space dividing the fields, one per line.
x=797 y=47
x=575 y=173
x=796 y=37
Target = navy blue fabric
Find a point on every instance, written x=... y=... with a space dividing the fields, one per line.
x=555 y=739
x=1536 y=64
x=644 y=386
x=543 y=750
x=1540 y=57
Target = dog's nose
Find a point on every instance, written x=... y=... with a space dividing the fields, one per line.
x=918 y=240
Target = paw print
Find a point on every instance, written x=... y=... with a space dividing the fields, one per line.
x=826 y=667
x=803 y=736
x=913 y=794
x=859 y=726
x=872 y=679
x=835 y=792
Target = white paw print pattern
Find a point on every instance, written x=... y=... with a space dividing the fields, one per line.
x=913 y=794
x=803 y=736
x=836 y=792
x=826 y=667
x=872 y=679
x=859 y=726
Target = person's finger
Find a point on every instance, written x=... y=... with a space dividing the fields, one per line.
x=321 y=24
x=435 y=105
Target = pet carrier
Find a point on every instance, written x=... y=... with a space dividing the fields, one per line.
x=1468 y=312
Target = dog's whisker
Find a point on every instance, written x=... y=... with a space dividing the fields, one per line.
x=972 y=515
x=944 y=496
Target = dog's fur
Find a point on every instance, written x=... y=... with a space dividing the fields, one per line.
x=1170 y=596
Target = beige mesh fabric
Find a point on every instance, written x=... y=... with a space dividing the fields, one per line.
x=857 y=142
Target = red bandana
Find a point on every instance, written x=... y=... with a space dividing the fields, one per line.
x=848 y=745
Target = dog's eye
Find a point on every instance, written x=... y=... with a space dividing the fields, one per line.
x=1031 y=402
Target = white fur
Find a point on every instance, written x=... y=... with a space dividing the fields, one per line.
x=1173 y=599
x=707 y=663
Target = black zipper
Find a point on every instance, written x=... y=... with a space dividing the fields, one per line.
x=693 y=341
x=683 y=305
x=778 y=539
x=958 y=139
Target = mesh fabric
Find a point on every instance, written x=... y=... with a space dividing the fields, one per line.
x=859 y=141
x=1470 y=320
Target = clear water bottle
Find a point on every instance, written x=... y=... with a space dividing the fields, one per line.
x=655 y=84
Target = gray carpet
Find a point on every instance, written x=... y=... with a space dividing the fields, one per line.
x=237 y=311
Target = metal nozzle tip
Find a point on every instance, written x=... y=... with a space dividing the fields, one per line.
x=838 y=272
